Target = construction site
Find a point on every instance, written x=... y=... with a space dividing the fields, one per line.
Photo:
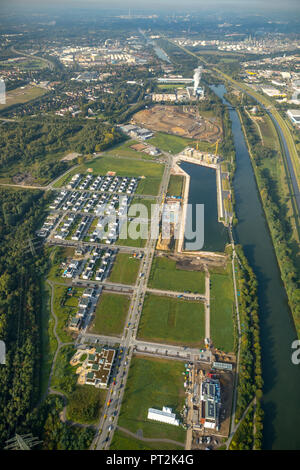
x=209 y=390
x=184 y=121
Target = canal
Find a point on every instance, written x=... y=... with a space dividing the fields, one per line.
x=281 y=376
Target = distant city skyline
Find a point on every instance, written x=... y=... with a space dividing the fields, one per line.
x=243 y=5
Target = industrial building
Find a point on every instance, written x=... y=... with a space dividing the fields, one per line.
x=175 y=80
x=210 y=396
x=222 y=366
x=294 y=115
x=164 y=416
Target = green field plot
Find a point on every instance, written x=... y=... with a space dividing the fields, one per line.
x=123 y=441
x=110 y=314
x=149 y=185
x=151 y=171
x=221 y=310
x=165 y=275
x=125 y=269
x=153 y=383
x=169 y=86
x=22 y=95
x=125 y=150
x=175 y=185
x=268 y=132
x=171 y=320
x=136 y=238
x=147 y=203
x=170 y=143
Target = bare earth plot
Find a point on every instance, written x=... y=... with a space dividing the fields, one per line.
x=179 y=120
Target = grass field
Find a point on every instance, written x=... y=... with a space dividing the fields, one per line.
x=125 y=150
x=22 y=95
x=110 y=314
x=137 y=240
x=221 y=310
x=123 y=167
x=171 y=320
x=170 y=143
x=125 y=269
x=145 y=202
x=164 y=275
x=122 y=441
x=169 y=86
x=153 y=383
x=269 y=134
x=175 y=185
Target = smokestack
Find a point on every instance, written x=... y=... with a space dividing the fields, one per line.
x=197 y=78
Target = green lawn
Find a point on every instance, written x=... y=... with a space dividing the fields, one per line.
x=147 y=203
x=136 y=235
x=22 y=95
x=123 y=167
x=125 y=150
x=221 y=310
x=149 y=185
x=175 y=185
x=110 y=314
x=122 y=441
x=125 y=269
x=164 y=275
x=171 y=320
x=170 y=143
x=269 y=134
x=153 y=383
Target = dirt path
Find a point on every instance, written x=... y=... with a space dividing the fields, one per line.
x=148 y=439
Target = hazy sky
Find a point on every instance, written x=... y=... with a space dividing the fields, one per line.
x=160 y=4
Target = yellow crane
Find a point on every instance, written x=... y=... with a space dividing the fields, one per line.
x=216 y=149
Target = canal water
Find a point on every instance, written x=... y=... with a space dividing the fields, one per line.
x=203 y=190
x=281 y=377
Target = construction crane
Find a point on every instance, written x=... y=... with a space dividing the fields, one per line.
x=216 y=148
x=22 y=442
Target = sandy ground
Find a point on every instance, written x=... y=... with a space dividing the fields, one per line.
x=179 y=120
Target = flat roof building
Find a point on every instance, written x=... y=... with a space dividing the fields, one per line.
x=164 y=416
x=294 y=115
x=100 y=365
x=210 y=395
x=222 y=365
